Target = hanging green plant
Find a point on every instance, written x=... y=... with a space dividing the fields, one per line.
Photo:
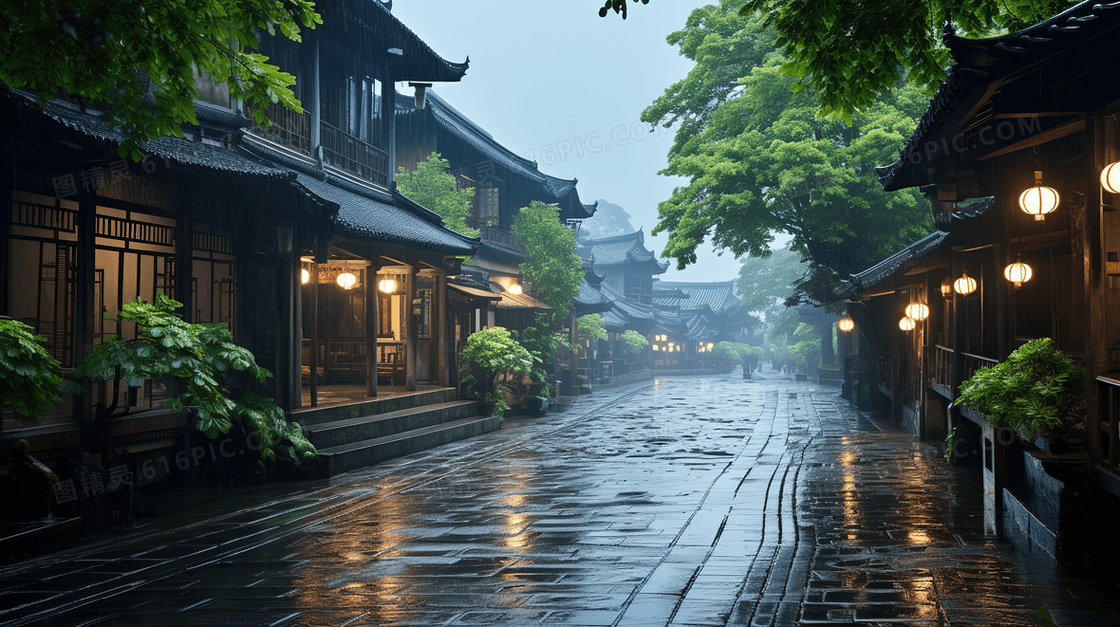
x=1037 y=391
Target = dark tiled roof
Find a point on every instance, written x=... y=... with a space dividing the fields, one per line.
x=719 y=297
x=621 y=249
x=699 y=328
x=632 y=310
x=590 y=300
x=172 y=148
x=981 y=62
x=368 y=30
x=365 y=218
x=614 y=319
x=857 y=282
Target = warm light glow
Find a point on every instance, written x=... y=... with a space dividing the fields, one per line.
x=1018 y=273
x=907 y=324
x=387 y=286
x=964 y=285
x=846 y=324
x=917 y=311
x=711 y=345
x=1110 y=178
x=514 y=289
x=1039 y=201
x=346 y=280
x=304 y=276
x=946 y=287
x=656 y=347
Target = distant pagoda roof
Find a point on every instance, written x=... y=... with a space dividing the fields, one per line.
x=624 y=249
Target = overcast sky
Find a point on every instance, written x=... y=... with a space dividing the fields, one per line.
x=553 y=81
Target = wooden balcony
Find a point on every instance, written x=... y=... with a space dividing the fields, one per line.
x=289 y=129
x=352 y=155
x=500 y=237
x=942 y=382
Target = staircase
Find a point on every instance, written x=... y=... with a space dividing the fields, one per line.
x=363 y=433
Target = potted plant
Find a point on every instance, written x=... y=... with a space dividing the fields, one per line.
x=1038 y=392
x=489 y=356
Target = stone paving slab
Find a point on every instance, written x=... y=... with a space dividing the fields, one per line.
x=680 y=501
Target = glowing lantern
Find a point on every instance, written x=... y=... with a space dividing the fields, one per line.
x=514 y=289
x=846 y=324
x=346 y=280
x=1018 y=273
x=1039 y=200
x=917 y=311
x=1110 y=178
x=946 y=287
x=964 y=285
x=387 y=286
x=907 y=324
x=304 y=276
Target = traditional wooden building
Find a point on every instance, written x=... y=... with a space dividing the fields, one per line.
x=294 y=235
x=1032 y=110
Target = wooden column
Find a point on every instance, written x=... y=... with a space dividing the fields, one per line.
x=84 y=302
x=1091 y=242
x=409 y=324
x=440 y=331
x=314 y=324
x=371 y=329
x=184 y=258
x=389 y=128
x=315 y=105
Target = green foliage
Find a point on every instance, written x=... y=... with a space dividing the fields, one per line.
x=766 y=282
x=950 y=441
x=759 y=161
x=432 y=187
x=489 y=355
x=635 y=341
x=93 y=48
x=734 y=352
x=553 y=267
x=30 y=377
x=1037 y=390
x=543 y=343
x=618 y=6
x=852 y=53
x=196 y=357
x=591 y=327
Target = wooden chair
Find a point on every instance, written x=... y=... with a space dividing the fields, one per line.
x=390 y=364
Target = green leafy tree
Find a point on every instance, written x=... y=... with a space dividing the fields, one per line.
x=766 y=282
x=489 y=356
x=852 y=53
x=196 y=357
x=553 y=267
x=758 y=160
x=30 y=377
x=94 y=49
x=591 y=327
x=431 y=186
x=635 y=341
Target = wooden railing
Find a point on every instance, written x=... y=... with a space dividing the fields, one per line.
x=348 y=153
x=289 y=129
x=494 y=235
x=1108 y=397
x=972 y=363
x=943 y=367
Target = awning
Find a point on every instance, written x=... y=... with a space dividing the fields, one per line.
x=474 y=291
x=524 y=301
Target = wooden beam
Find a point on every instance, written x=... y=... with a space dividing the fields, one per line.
x=1058 y=132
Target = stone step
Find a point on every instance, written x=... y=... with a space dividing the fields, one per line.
x=340 y=432
x=339 y=459
x=319 y=415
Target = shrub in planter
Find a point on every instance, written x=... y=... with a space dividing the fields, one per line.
x=489 y=356
x=1038 y=392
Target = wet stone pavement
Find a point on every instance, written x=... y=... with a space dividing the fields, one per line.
x=686 y=501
